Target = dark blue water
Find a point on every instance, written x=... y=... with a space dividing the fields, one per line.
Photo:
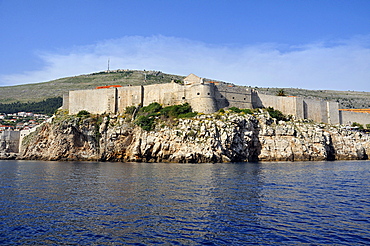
x=85 y=203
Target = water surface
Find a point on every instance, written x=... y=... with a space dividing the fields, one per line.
x=96 y=203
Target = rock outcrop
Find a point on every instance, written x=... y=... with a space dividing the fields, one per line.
x=219 y=137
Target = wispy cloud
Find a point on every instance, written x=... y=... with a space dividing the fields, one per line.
x=344 y=65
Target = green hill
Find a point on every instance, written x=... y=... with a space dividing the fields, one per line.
x=56 y=88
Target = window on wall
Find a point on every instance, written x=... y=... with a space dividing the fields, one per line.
x=233 y=97
x=198 y=93
x=183 y=97
x=209 y=93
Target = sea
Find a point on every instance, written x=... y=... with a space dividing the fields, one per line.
x=105 y=203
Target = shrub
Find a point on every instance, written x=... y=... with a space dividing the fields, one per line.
x=178 y=111
x=178 y=81
x=247 y=111
x=191 y=133
x=235 y=109
x=83 y=113
x=147 y=115
x=145 y=122
x=187 y=115
x=130 y=110
x=367 y=126
x=355 y=124
x=151 y=108
x=278 y=115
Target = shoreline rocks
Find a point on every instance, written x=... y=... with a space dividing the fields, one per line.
x=8 y=156
x=219 y=137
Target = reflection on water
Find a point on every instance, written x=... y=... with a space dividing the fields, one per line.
x=218 y=204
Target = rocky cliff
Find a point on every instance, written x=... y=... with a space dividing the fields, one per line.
x=219 y=137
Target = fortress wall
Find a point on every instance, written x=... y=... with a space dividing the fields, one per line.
x=287 y=105
x=65 y=104
x=256 y=100
x=94 y=101
x=316 y=110
x=269 y=101
x=220 y=97
x=9 y=141
x=348 y=117
x=291 y=106
x=299 y=107
x=333 y=113
x=227 y=96
x=165 y=94
x=128 y=96
x=202 y=98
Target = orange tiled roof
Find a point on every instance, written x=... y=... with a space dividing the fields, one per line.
x=108 y=86
x=357 y=110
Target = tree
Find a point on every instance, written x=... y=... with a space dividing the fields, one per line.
x=47 y=106
x=281 y=93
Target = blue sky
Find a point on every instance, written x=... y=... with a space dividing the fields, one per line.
x=269 y=43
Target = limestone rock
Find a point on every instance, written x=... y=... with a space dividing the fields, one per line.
x=205 y=138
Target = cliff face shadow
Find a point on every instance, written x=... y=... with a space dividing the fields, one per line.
x=249 y=148
x=256 y=100
x=221 y=100
x=256 y=146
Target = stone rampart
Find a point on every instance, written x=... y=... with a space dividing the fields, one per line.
x=204 y=97
x=287 y=105
x=348 y=117
x=95 y=101
x=9 y=141
x=227 y=96
x=128 y=96
x=333 y=113
x=165 y=94
x=315 y=110
x=302 y=108
x=65 y=105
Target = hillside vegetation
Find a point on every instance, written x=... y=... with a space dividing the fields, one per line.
x=56 y=88
x=47 y=106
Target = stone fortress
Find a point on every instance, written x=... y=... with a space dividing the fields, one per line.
x=205 y=97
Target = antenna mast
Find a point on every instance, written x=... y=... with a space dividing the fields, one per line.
x=144 y=82
x=108 y=64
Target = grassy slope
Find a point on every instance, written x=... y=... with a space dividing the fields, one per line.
x=40 y=91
